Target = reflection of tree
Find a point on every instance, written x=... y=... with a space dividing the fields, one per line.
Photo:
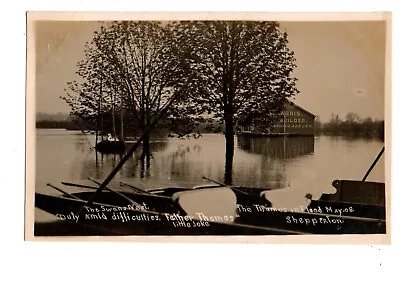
x=178 y=160
x=102 y=163
x=277 y=147
x=138 y=166
x=107 y=161
x=182 y=150
x=275 y=180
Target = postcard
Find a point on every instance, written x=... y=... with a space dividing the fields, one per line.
x=223 y=127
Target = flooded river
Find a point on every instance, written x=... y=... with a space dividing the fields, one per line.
x=292 y=166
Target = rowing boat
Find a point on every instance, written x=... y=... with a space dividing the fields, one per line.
x=105 y=219
x=113 y=211
x=107 y=146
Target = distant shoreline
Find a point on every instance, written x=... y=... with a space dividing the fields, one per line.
x=369 y=135
x=51 y=124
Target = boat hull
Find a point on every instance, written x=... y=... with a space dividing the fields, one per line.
x=104 y=219
x=110 y=146
x=112 y=215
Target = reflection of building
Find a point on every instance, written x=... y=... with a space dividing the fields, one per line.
x=277 y=147
x=293 y=121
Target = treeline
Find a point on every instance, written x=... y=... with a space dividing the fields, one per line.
x=40 y=116
x=51 y=124
x=352 y=126
x=58 y=121
x=50 y=121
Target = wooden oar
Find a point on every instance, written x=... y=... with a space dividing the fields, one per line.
x=237 y=189
x=62 y=191
x=116 y=192
x=136 y=145
x=216 y=182
x=223 y=185
x=134 y=188
x=106 y=188
x=79 y=185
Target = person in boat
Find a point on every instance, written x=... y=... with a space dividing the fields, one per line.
x=111 y=139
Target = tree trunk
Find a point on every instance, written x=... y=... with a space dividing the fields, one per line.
x=229 y=148
x=113 y=119
x=145 y=156
x=101 y=113
x=122 y=122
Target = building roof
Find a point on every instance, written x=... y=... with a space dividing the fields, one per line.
x=301 y=108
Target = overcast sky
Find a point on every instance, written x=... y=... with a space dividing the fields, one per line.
x=341 y=65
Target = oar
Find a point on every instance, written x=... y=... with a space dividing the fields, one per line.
x=134 y=188
x=106 y=188
x=223 y=185
x=373 y=164
x=79 y=185
x=116 y=192
x=62 y=191
x=216 y=182
x=136 y=145
x=239 y=190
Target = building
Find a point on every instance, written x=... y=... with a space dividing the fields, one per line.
x=295 y=121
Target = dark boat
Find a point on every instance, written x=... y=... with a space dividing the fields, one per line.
x=105 y=216
x=130 y=219
x=107 y=146
x=367 y=199
x=356 y=198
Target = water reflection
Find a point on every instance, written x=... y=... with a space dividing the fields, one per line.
x=135 y=166
x=277 y=147
x=306 y=165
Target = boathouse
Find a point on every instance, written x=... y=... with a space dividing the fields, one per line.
x=294 y=121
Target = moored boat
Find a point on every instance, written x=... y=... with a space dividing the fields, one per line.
x=243 y=213
x=105 y=219
x=107 y=146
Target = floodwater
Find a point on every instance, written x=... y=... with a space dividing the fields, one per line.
x=293 y=166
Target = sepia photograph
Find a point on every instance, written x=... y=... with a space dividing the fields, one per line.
x=229 y=124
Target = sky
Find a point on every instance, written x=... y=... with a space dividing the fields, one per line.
x=340 y=65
